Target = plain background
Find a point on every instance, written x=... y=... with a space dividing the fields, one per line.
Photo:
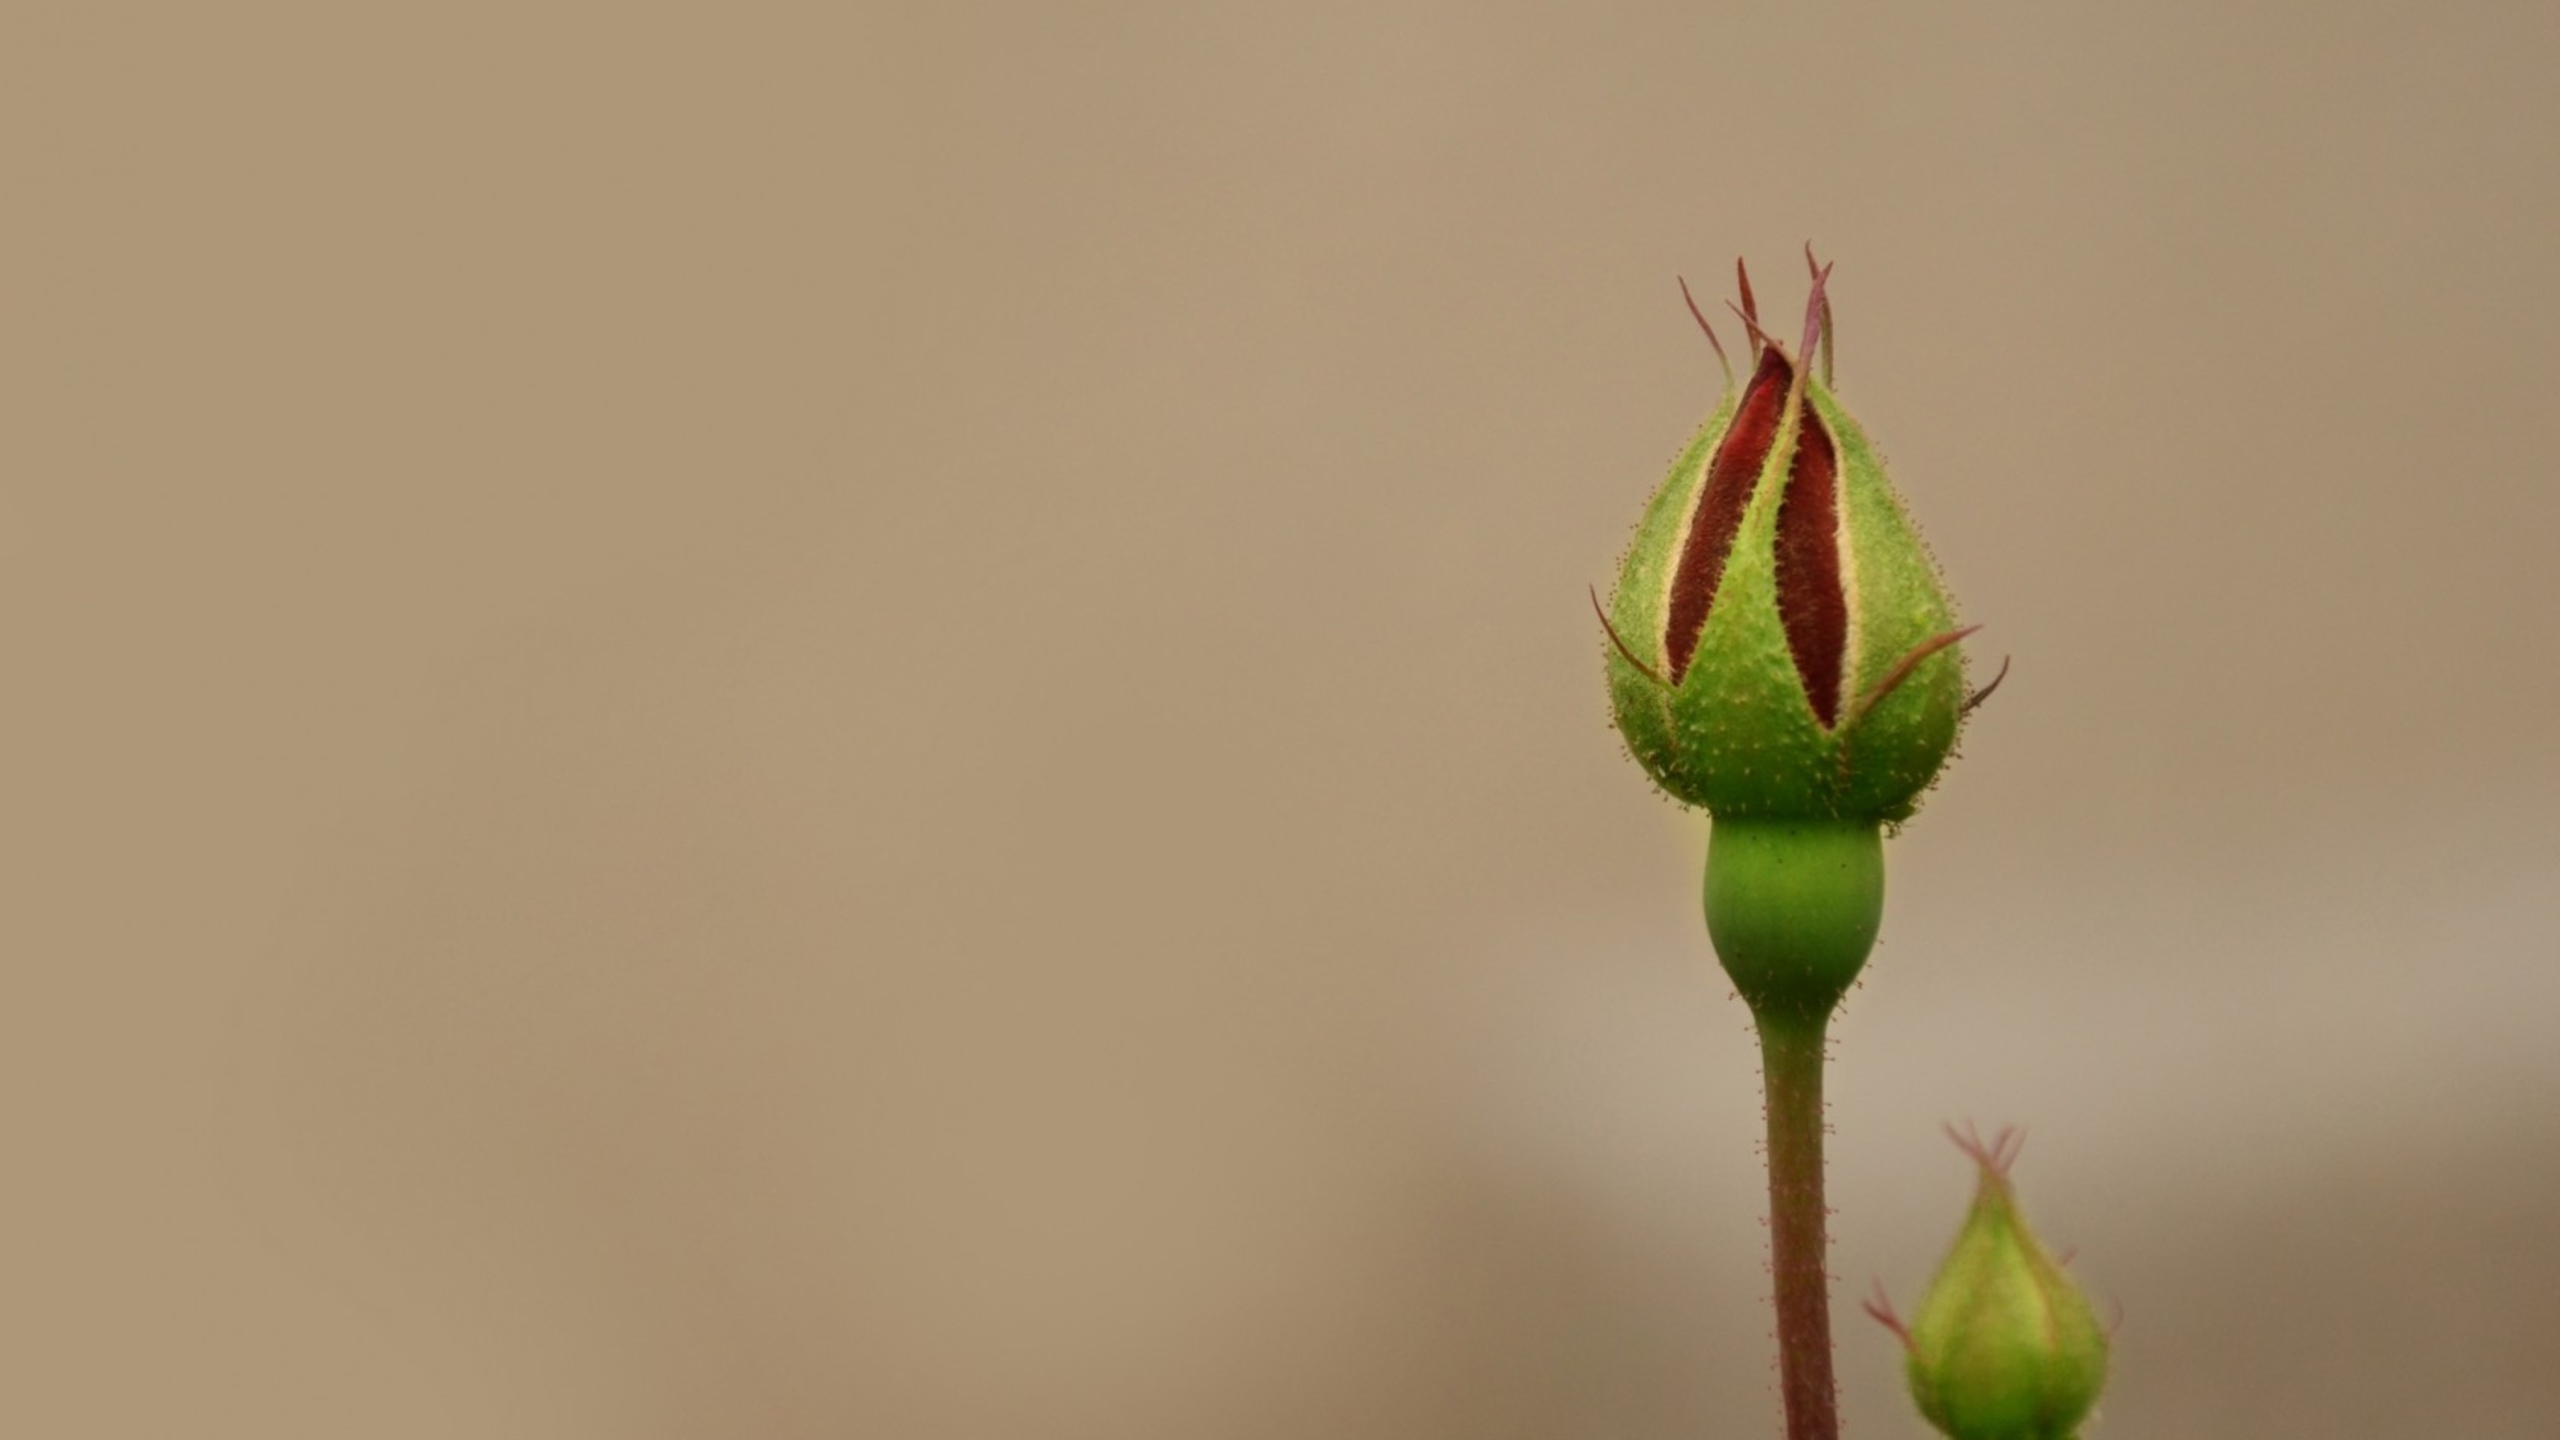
x=733 y=722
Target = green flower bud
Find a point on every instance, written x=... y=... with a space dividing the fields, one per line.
x=2005 y=1347
x=1780 y=641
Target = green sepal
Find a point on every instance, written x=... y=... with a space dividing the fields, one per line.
x=1641 y=698
x=1749 y=745
x=1893 y=750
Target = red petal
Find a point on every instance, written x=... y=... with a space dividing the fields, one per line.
x=1811 y=602
x=1726 y=491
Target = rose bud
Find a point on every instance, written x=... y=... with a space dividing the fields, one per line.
x=1781 y=644
x=2005 y=1347
x=1781 y=653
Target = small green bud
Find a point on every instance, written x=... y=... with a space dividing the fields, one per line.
x=1780 y=641
x=2005 y=1347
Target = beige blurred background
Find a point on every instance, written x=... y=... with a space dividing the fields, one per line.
x=734 y=722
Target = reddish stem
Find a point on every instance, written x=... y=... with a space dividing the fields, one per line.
x=1791 y=1064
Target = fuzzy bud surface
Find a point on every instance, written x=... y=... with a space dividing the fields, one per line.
x=1781 y=646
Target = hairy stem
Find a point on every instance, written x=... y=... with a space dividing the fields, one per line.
x=1791 y=1053
x=1792 y=906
